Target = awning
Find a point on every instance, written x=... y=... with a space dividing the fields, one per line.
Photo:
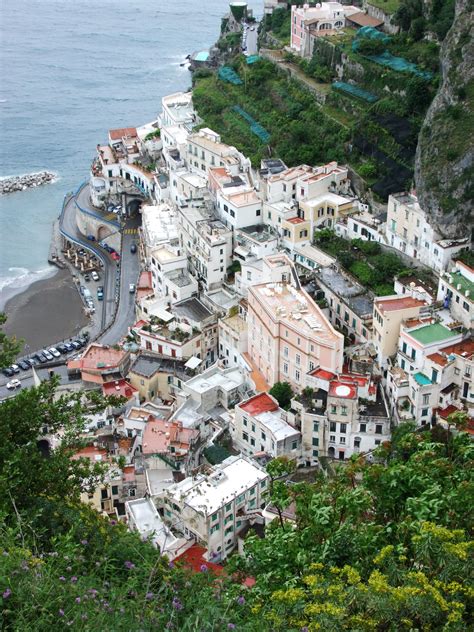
x=193 y=362
x=241 y=252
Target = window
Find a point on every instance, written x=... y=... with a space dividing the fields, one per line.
x=294 y=445
x=316 y=441
x=332 y=426
x=342 y=440
x=245 y=421
x=228 y=518
x=264 y=436
x=232 y=214
x=258 y=212
x=378 y=428
x=228 y=507
x=426 y=399
x=377 y=442
x=424 y=412
x=332 y=438
x=214 y=517
x=297 y=375
x=285 y=368
x=357 y=442
x=252 y=491
x=315 y=452
x=434 y=376
x=343 y=428
x=298 y=358
x=315 y=426
x=362 y=427
x=245 y=436
x=285 y=351
x=114 y=490
x=252 y=441
x=333 y=409
x=404 y=347
x=253 y=427
x=413 y=354
x=215 y=528
x=343 y=410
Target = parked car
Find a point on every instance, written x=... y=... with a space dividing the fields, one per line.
x=31 y=362
x=24 y=366
x=40 y=357
x=91 y=237
x=81 y=289
x=133 y=248
x=69 y=346
x=61 y=348
x=100 y=293
x=8 y=372
x=87 y=278
x=53 y=351
x=14 y=384
x=131 y=288
x=115 y=256
x=75 y=344
x=94 y=276
x=47 y=354
x=15 y=368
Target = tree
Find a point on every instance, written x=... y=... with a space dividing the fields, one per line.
x=9 y=346
x=283 y=393
x=278 y=469
x=26 y=475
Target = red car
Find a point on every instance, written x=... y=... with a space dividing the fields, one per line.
x=115 y=256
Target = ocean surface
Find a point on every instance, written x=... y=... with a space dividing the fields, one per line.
x=70 y=71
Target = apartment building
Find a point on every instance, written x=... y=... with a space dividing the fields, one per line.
x=236 y=200
x=362 y=225
x=170 y=442
x=154 y=376
x=421 y=337
x=409 y=231
x=98 y=364
x=350 y=304
x=260 y=425
x=212 y=509
x=233 y=340
x=159 y=226
x=456 y=290
x=205 y=150
x=389 y=313
x=207 y=243
x=288 y=334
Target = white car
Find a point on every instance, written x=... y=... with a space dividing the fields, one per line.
x=95 y=276
x=47 y=354
x=53 y=351
x=131 y=288
x=13 y=385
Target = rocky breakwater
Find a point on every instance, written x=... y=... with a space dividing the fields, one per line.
x=20 y=183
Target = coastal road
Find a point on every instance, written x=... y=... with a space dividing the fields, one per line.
x=69 y=227
x=26 y=379
x=129 y=272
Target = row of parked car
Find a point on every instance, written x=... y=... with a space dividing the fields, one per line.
x=44 y=356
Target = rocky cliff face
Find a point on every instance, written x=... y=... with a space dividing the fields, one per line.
x=444 y=165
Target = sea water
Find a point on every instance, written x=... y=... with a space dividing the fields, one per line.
x=70 y=71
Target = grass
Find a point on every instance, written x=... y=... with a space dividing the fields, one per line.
x=388 y=6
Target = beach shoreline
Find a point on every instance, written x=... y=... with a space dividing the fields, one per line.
x=46 y=312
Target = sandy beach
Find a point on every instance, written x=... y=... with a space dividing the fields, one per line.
x=47 y=312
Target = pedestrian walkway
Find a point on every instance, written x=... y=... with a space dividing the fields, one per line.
x=130 y=231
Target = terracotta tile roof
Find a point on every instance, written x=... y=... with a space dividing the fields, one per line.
x=465 y=348
x=394 y=304
x=362 y=19
x=119 y=133
x=438 y=359
x=295 y=220
x=323 y=375
x=261 y=403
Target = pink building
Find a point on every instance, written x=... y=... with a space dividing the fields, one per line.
x=321 y=20
x=288 y=334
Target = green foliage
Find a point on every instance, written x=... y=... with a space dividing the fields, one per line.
x=10 y=347
x=152 y=135
x=466 y=256
x=282 y=392
x=370 y=47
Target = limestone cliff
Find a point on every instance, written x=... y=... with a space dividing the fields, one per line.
x=444 y=165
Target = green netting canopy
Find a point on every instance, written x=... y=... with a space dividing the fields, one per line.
x=355 y=91
x=255 y=127
x=228 y=74
x=251 y=59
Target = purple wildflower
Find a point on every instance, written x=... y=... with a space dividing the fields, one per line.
x=231 y=626
x=171 y=564
x=241 y=600
x=62 y=578
x=113 y=522
x=61 y=612
x=84 y=542
x=7 y=593
x=129 y=565
x=73 y=579
x=149 y=596
x=78 y=600
x=203 y=568
x=177 y=605
x=305 y=628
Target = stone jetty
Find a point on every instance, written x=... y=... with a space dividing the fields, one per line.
x=20 y=183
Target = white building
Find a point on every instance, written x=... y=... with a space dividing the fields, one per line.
x=212 y=509
x=408 y=230
x=205 y=150
x=456 y=290
x=260 y=425
x=233 y=340
x=207 y=243
x=236 y=200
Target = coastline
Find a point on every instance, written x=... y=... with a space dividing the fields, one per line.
x=46 y=312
